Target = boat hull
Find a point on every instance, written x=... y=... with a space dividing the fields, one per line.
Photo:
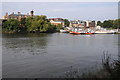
x=105 y=32
x=72 y=32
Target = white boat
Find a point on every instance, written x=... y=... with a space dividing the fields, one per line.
x=104 y=32
x=81 y=31
x=63 y=31
x=100 y=32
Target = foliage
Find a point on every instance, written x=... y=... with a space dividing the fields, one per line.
x=110 y=24
x=110 y=70
x=42 y=24
x=11 y=25
x=66 y=22
x=59 y=26
x=99 y=23
x=38 y=24
x=29 y=24
x=22 y=22
x=107 y=23
x=29 y=21
x=116 y=23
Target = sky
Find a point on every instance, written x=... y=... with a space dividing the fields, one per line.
x=60 y=0
x=69 y=10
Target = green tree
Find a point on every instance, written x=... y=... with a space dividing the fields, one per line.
x=66 y=22
x=99 y=23
x=116 y=24
x=42 y=17
x=22 y=22
x=38 y=24
x=28 y=21
x=58 y=27
x=107 y=24
x=11 y=25
x=51 y=28
x=30 y=24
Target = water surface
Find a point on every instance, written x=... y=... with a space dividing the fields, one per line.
x=51 y=55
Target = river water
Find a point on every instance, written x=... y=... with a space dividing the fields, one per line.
x=51 y=55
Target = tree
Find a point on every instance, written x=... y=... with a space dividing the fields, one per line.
x=58 y=27
x=38 y=24
x=66 y=22
x=30 y=24
x=107 y=24
x=22 y=22
x=116 y=24
x=99 y=23
x=28 y=21
x=11 y=25
x=42 y=17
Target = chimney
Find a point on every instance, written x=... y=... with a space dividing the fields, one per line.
x=6 y=14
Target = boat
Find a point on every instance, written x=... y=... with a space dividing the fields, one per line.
x=63 y=31
x=81 y=31
x=72 y=32
x=100 y=32
x=105 y=32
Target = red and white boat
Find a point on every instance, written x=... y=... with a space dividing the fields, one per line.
x=72 y=32
x=80 y=31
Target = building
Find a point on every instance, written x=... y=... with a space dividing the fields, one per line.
x=77 y=23
x=57 y=21
x=18 y=16
x=89 y=24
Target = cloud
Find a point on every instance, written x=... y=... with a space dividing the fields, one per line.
x=60 y=0
x=70 y=10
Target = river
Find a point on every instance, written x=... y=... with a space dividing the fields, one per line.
x=51 y=55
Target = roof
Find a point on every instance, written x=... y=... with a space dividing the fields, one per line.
x=77 y=21
x=56 y=19
x=17 y=15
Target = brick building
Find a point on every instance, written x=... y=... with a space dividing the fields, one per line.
x=18 y=16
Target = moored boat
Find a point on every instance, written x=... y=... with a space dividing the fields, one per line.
x=63 y=31
x=72 y=32
x=81 y=31
x=105 y=32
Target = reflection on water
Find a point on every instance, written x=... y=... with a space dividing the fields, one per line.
x=34 y=44
x=50 y=55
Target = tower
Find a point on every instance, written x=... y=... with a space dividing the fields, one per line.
x=31 y=13
x=6 y=15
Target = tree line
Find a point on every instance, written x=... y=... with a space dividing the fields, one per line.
x=31 y=24
x=114 y=24
x=42 y=24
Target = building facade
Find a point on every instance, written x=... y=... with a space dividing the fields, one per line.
x=57 y=21
x=18 y=16
x=89 y=24
x=77 y=23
